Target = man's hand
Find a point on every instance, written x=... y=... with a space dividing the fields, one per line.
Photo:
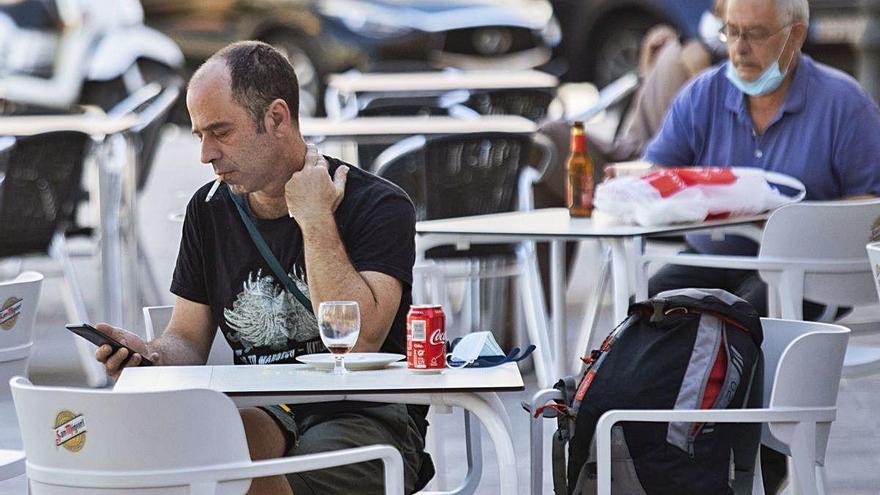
x=113 y=360
x=310 y=193
x=652 y=43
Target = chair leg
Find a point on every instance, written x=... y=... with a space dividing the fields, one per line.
x=821 y=480
x=76 y=311
x=803 y=456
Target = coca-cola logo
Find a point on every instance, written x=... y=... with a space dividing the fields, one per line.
x=437 y=337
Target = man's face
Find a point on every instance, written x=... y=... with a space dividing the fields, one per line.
x=756 y=38
x=243 y=158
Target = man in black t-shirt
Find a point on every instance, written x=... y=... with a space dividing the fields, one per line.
x=339 y=233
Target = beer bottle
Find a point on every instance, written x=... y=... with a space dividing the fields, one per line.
x=580 y=175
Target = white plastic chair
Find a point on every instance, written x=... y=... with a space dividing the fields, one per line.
x=802 y=368
x=171 y=442
x=814 y=251
x=156 y=318
x=18 y=311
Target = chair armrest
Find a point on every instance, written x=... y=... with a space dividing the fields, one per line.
x=765 y=263
x=777 y=415
x=390 y=457
x=708 y=261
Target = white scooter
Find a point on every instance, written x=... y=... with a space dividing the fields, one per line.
x=58 y=53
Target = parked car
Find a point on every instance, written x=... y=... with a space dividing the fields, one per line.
x=600 y=38
x=327 y=36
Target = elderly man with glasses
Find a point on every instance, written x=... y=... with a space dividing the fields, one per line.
x=769 y=107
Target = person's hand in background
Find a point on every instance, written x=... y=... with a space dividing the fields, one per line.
x=654 y=40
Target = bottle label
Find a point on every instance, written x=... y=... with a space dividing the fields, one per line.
x=578 y=143
x=580 y=193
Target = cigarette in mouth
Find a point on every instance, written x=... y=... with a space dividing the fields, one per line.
x=217 y=182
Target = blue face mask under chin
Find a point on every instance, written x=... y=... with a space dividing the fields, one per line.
x=767 y=82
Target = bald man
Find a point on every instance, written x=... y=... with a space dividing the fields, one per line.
x=339 y=233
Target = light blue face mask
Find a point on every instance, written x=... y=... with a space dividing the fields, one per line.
x=767 y=82
x=474 y=345
x=479 y=349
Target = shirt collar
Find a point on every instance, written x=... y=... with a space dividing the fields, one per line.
x=794 y=100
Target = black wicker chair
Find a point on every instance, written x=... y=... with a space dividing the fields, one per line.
x=38 y=187
x=529 y=103
x=461 y=175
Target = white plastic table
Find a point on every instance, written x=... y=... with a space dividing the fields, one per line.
x=395 y=127
x=410 y=82
x=343 y=89
x=474 y=389
x=554 y=225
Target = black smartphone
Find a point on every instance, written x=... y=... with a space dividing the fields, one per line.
x=100 y=338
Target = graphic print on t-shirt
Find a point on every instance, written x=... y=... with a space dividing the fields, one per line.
x=266 y=318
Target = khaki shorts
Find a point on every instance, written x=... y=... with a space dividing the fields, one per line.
x=315 y=432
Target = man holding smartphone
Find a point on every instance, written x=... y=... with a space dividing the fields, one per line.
x=339 y=233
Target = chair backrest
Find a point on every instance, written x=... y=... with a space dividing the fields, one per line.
x=80 y=441
x=530 y=103
x=462 y=174
x=617 y=91
x=38 y=190
x=156 y=318
x=18 y=311
x=802 y=363
x=819 y=232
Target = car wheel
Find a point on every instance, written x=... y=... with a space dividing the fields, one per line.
x=298 y=52
x=616 y=47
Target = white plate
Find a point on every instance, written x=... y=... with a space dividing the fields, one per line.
x=354 y=361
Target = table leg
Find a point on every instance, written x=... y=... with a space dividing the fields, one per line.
x=620 y=276
x=532 y=297
x=641 y=269
x=591 y=317
x=110 y=190
x=485 y=406
x=557 y=299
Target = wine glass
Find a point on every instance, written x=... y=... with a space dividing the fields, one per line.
x=340 y=324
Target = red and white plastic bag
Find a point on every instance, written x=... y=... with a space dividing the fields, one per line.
x=693 y=194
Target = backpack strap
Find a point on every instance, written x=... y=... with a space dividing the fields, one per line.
x=270 y=258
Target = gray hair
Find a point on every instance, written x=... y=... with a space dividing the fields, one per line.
x=791 y=11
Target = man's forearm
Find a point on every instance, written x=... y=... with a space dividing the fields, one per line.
x=332 y=277
x=175 y=350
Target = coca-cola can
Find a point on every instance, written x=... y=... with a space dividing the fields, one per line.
x=426 y=338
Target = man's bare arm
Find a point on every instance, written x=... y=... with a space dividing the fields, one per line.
x=332 y=277
x=187 y=338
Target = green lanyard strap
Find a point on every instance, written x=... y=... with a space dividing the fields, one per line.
x=270 y=258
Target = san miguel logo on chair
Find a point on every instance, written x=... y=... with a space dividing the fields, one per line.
x=9 y=312
x=70 y=431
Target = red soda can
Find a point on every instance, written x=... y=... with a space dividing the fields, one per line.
x=426 y=338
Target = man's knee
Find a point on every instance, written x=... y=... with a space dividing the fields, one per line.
x=264 y=437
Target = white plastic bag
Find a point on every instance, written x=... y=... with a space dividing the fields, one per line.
x=683 y=195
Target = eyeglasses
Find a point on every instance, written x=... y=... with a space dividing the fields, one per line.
x=752 y=36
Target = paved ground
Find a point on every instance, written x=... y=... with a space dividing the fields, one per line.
x=854 y=452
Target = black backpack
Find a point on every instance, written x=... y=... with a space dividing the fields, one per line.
x=683 y=349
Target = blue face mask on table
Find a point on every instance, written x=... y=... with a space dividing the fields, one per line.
x=480 y=350
x=767 y=82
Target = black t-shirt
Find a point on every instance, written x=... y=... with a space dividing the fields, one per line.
x=219 y=265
